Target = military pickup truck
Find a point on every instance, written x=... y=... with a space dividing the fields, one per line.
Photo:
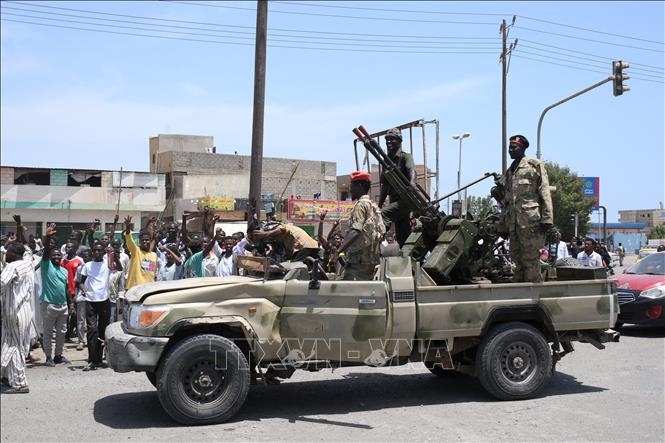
x=203 y=341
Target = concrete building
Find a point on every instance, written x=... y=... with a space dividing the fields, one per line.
x=72 y=198
x=651 y=217
x=196 y=172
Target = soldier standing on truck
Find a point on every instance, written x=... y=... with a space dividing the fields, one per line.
x=397 y=212
x=366 y=229
x=528 y=206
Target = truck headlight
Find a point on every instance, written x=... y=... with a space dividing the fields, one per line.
x=657 y=292
x=142 y=316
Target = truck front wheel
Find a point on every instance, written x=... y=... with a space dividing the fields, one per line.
x=513 y=361
x=204 y=379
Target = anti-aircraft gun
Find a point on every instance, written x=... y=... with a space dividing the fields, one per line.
x=451 y=249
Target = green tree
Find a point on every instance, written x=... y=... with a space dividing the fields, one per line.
x=657 y=231
x=568 y=200
x=479 y=206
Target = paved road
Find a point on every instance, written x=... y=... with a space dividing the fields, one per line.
x=610 y=395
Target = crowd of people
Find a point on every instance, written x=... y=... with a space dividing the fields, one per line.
x=56 y=293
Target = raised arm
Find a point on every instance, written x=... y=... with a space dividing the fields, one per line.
x=323 y=241
x=183 y=231
x=115 y=224
x=20 y=229
x=211 y=228
x=153 y=229
x=91 y=231
x=50 y=232
x=129 y=240
x=176 y=257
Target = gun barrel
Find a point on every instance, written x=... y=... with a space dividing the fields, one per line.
x=487 y=174
x=416 y=197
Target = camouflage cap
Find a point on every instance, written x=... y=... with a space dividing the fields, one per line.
x=394 y=132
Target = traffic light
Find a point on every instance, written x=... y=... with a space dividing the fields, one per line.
x=617 y=71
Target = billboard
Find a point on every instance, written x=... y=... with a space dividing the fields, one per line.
x=591 y=189
x=219 y=203
x=309 y=210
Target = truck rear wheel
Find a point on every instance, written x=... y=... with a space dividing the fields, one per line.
x=204 y=379
x=513 y=361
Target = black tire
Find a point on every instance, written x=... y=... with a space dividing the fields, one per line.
x=618 y=325
x=204 y=379
x=152 y=378
x=513 y=361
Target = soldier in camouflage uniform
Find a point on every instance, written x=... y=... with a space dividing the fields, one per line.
x=397 y=212
x=366 y=229
x=528 y=206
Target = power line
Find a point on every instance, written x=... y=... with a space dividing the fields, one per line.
x=578 y=63
x=249 y=33
x=465 y=52
x=406 y=20
x=656 y=68
x=516 y=54
x=603 y=60
x=239 y=26
x=319 y=5
x=354 y=44
x=589 y=39
x=321 y=35
x=592 y=30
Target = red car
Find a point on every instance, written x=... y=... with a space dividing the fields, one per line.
x=641 y=290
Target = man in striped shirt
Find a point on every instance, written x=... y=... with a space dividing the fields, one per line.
x=18 y=282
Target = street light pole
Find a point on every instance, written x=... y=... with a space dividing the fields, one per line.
x=459 y=165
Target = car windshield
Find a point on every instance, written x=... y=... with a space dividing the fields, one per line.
x=651 y=264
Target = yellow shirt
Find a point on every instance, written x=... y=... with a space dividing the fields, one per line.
x=142 y=265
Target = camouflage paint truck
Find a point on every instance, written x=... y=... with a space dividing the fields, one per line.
x=203 y=341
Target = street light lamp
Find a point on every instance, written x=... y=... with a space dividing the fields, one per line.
x=459 y=166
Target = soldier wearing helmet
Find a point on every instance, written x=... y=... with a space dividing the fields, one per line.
x=528 y=209
x=397 y=212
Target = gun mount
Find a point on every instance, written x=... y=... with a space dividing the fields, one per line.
x=451 y=249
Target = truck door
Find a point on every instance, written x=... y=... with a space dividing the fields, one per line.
x=339 y=321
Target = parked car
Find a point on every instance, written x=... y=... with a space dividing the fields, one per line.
x=641 y=290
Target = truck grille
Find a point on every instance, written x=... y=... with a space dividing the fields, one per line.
x=625 y=297
x=403 y=296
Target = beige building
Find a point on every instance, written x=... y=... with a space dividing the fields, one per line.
x=196 y=172
x=651 y=217
x=72 y=198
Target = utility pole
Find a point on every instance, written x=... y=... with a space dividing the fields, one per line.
x=504 y=77
x=256 y=165
x=504 y=74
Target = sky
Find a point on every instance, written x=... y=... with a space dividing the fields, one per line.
x=75 y=97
